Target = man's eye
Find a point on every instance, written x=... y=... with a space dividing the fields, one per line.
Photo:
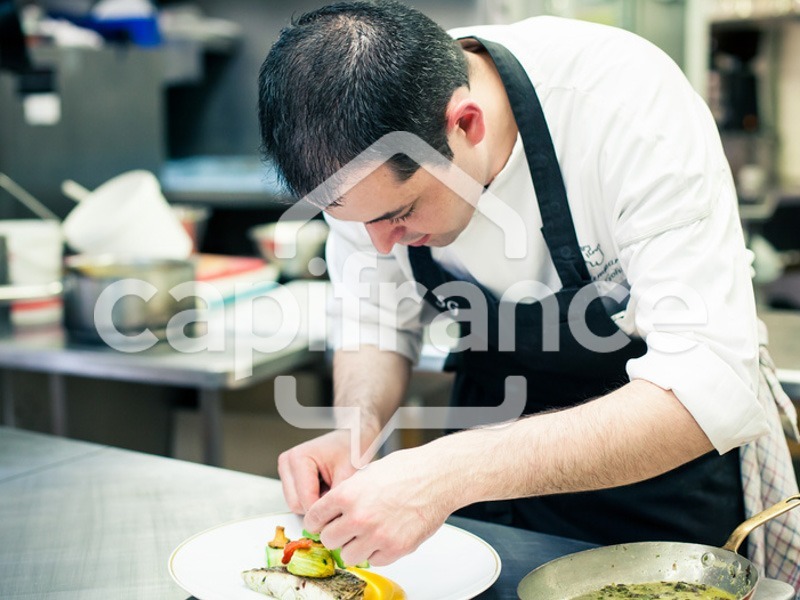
x=402 y=218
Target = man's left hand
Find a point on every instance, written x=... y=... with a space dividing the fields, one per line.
x=387 y=509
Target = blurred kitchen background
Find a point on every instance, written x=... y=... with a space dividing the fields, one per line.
x=89 y=90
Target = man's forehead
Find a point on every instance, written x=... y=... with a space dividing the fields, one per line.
x=374 y=191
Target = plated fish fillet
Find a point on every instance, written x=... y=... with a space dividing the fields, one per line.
x=278 y=583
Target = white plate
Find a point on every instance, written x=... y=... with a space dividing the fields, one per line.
x=452 y=565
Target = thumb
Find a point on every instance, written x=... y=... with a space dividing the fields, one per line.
x=343 y=472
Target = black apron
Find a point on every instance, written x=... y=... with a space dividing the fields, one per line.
x=699 y=502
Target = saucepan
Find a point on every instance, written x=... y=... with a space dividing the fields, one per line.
x=140 y=300
x=574 y=575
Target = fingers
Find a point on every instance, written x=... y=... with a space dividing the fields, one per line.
x=378 y=552
x=343 y=472
x=310 y=469
x=381 y=559
x=336 y=534
x=325 y=510
x=287 y=482
x=307 y=476
x=300 y=479
x=362 y=532
x=357 y=551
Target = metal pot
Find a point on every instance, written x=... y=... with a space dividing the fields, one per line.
x=645 y=562
x=139 y=301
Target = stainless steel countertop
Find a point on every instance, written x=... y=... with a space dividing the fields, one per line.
x=48 y=350
x=83 y=521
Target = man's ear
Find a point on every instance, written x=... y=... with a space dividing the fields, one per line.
x=465 y=117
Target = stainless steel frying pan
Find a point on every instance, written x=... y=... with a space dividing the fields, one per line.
x=643 y=562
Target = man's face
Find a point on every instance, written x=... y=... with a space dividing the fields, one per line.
x=419 y=211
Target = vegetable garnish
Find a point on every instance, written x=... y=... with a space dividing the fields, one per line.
x=315 y=561
x=290 y=548
x=337 y=552
x=305 y=557
x=337 y=556
x=309 y=535
x=280 y=540
x=314 y=568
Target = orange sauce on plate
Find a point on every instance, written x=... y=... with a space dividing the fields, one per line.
x=378 y=587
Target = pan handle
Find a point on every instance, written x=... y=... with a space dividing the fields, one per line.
x=742 y=531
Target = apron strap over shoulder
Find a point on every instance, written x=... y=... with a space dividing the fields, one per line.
x=558 y=227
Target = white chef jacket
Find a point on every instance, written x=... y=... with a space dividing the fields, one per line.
x=653 y=203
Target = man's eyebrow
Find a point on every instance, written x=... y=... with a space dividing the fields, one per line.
x=391 y=214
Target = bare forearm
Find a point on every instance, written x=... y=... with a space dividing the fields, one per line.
x=373 y=380
x=632 y=434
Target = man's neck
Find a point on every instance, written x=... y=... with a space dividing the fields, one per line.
x=487 y=87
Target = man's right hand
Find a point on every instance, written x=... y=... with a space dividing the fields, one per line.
x=308 y=470
x=370 y=380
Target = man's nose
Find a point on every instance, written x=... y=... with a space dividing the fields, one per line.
x=385 y=235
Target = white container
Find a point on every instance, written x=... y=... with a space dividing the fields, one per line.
x=35 y=250
x=127 y=216
x=291 y=245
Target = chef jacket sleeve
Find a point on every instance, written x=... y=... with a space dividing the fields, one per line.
x=691 y=299
x=375 y=300
x=679 y=239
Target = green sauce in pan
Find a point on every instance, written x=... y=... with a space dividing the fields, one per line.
x=662 y=590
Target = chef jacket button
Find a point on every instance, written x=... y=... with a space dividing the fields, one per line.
x=566 y=253
x=453 y=307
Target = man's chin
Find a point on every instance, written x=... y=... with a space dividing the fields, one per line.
x=443 y=239
x=438 y=240
x=421 y=241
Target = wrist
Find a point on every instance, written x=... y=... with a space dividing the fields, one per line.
x=459 y=460
x=360 y=420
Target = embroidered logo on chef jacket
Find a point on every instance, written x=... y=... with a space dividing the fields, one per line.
x=451 y=305
x=594 y=257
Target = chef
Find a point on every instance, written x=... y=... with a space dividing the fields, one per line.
x=613 y=170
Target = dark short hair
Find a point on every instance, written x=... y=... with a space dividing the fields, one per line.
x=341 y=77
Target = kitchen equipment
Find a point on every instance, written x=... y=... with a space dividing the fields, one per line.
x=35 y=249
x=127 y=216
x=96 y=312
x=5 y=310
x=74 y=190
x=643 y=562
x=31 y=203
x=292 y=246
x=193 y=219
